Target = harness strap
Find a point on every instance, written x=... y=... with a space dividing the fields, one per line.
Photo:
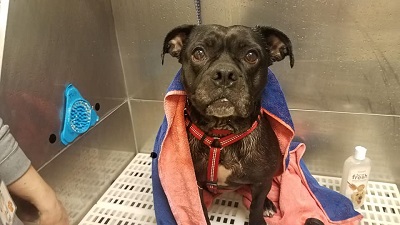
x=212 y=169
x=215 y=144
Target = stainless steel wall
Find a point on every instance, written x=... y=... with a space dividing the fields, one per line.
x=49 y=44
x=343 y=90
x=141 y=26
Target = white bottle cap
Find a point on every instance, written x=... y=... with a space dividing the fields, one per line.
x=360 y=152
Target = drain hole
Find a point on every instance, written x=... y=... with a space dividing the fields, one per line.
x=52 y=138
x=97 y=106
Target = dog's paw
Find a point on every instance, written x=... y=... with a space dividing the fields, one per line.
x=268 y=213
x=313 y=221
x=269 y=208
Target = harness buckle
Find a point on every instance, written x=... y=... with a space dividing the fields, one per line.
x=212 y=183
x=216 y=143
x=212 y=186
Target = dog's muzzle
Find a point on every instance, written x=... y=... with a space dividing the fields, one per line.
x=220 y=108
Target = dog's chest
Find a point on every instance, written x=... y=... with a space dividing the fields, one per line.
x=250 y=160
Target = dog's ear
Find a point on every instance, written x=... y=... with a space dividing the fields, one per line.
x=352 y=186
x=175 y=40
x=277 y=43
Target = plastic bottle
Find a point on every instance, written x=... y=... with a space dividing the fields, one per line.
x=355 y=176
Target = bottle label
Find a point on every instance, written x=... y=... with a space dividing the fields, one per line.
x=7 y=206
x=356 y=187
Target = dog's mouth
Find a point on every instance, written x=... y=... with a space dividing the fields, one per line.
x=220 y=108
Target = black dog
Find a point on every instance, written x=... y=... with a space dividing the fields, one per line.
x=224 y=71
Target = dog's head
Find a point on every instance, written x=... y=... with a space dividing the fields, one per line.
x=224 y=69
x=357 y=197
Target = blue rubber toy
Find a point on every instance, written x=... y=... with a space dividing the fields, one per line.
x=79 y=115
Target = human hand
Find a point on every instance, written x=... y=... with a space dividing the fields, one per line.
x=54 y=216
x=41 y=198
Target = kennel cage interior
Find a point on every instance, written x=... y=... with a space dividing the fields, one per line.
x=129 y=200
x=342 y=92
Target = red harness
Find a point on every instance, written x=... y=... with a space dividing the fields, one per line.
x=216 y=144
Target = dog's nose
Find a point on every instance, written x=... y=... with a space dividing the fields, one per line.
x=224 y=77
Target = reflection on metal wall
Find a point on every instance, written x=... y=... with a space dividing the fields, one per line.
x=141 y=26
x=148 y=116
x=48 y=45
x=343 y=90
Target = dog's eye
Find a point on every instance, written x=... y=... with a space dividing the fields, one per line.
x=198 y=54
x=251 y=57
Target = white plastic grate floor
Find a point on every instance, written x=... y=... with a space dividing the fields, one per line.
x=129 y=201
